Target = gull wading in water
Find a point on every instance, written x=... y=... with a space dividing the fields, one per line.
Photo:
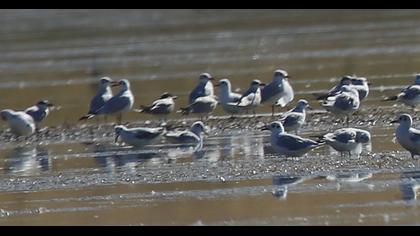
x=251 y=98
x=21 y=124
x=410 y=95
x=295 y=118
x=161 y=107
x=138 y=137
x=122 y=102
x=346 y=139
x=408 y=137
x=192 y=136
x=343 y=104
x=278 y=92
x=204 y=88
x=39 y=111
x=228 y=99
x=289 y=145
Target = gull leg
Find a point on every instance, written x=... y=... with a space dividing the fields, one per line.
x=119 y=119
x=253 y=111
x=272 y=110
x=347 y=121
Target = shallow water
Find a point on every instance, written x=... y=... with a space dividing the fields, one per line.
x=83 y=178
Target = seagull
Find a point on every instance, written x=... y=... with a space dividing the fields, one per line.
x=279 y=91
x=251 y=98
x=201 y=105
x=343 y=104
x=410 y=95
x=103 y=95
x=345 y=80
x=361 y=85
x=192 y=136
x=39 y=111
x=138 y=137
x=408 y=137
x=21 y=124
x=289 y=145
x=122 y=102
x=161 y=107
x=227 y=98
x=204 y=88
x=346 y=139
x=295 y=118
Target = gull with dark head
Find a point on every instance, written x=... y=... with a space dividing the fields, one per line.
x=204 y=88
x=289 y=145
x=122 y=102
x=39 y=111
x=161 y=107
x=410 y=95
x=251 y=98
x=192 y=136
x=361 y=84
x=345 y=80
x=278 y=92
x=343 y=104
x=21 y=124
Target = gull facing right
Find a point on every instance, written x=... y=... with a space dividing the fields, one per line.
x=278 y=92
x=295 y=118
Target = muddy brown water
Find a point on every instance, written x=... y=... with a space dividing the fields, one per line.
x=73 y=173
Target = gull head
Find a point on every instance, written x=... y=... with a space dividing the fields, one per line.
x=105 y=81
x=281 y=74
x=125 y=84
x=198 y=127
x=350 y=89
x=118 y=130
x=44 y=104
x=204 y=77
x=275 y=127
x=359 y=80
x=362 y=136
x=404 y=119
x=346 y=80
x=223 y=83
x=6 y=114
x=256 y=83
x=302 y=103
x=167 y=95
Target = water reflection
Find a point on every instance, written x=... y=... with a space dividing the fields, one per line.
x=28 y=160
x=281 y=184
x=351 y=180
x=410 y=185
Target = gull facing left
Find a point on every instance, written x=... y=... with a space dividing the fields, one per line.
x=408 y=137
x=138 y=137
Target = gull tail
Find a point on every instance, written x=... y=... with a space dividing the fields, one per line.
x=87 y=117
x=393 y=98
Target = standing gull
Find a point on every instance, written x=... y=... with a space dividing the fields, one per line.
x=138 y=137
x=345 y=80
x=361 y=85
x=408 y=137
x=278 y=92
x=21 y=124
x=103 y=94
x=122 y=102
x=289 y=144
x=410 y=95
x=202 y=105
x=39 y=111
x=295 y=118
x=251 y=98
x=343 y=104
x=161 y=107
x=204 y=88
x=346 y=139
x=227 y=98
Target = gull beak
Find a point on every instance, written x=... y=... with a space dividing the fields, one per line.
x=50 y=105
x=265 y=128
x=309 y=107
x=114 y=83
x=395 y=121
x=116 y=137
x=262 y=84
x=369 y=83
x=174 y=97
x=211 y=78
x=217 y=85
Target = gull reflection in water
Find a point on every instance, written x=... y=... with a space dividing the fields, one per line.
x=124 y=159
x=410 y=185
x=281 y=184
x=352 y=179
x=251 y=146
x=28 y=160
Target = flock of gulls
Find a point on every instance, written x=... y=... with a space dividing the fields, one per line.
x=343 y=100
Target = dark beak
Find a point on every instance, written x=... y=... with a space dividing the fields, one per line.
x=211 y=78
x=287 y=76
x=115 y=83
x=174 y=97
x=217 y=85
x=309 y=107
x=395 y=121
x=369 y=83
x=116 y=137
x=262 y=84
x=50 y=105
x=265 y=128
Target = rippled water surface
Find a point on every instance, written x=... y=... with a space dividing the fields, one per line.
x=235 y=179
